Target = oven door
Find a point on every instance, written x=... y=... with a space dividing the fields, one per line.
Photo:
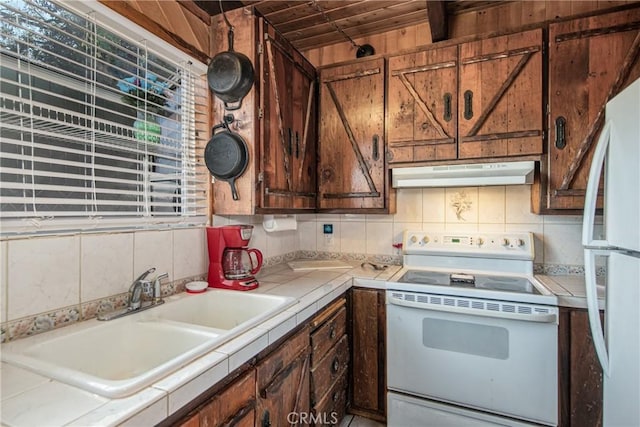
x=489 y=355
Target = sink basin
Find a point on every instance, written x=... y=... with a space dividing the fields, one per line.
x=120 y=357
x=221 y=310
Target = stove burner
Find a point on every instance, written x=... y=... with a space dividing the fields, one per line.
x=478 y=281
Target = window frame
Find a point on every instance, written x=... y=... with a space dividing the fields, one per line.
x=129 y=30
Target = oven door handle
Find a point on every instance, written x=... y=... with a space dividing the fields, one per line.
x=539 y=318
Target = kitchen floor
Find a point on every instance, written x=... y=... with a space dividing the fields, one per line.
x=356 y=421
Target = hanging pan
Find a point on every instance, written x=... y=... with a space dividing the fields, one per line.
x=226 y=155
x=230 y=74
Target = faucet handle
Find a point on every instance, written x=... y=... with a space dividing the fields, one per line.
x=157 y=293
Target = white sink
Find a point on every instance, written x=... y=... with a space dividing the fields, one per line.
x=221 y=310
x=120 y=357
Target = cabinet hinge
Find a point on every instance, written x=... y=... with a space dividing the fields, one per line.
x=260 y=49
x=260 y=113
x=261 y=177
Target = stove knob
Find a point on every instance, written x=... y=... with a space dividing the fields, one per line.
x=480 y=241
x=414 y=239
x=520 y=243
x=505 y=242
x=425 y=239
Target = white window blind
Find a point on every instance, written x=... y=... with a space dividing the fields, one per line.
x=97 y=129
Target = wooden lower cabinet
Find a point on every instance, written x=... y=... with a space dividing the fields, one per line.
x=282 y=381
x=329 y=364
x=234 y=406
x=580 y=374
x=368 y=353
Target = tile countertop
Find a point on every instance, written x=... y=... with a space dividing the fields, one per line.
x=29 y=399
x=570 y=290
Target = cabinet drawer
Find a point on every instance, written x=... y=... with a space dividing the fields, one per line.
x=333 y=406
x=329 y=369
x=327 y=335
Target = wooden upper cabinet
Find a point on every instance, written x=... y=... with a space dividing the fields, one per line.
x=500 y=105
x=351 y=165
x=288 y=126
x=590 y=61
x=422 y=105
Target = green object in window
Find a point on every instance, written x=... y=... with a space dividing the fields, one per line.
x=148 y=129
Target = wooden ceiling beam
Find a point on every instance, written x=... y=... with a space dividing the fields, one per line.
x=437 y=15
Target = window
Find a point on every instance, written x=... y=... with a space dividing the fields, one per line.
x=99 y=128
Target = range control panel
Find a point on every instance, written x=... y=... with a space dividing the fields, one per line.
x=489 y=245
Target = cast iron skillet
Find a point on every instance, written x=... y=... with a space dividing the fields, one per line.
x=230 y=74
x=226 y=155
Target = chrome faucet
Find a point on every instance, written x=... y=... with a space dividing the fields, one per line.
x=136 y=288
x=139 y=287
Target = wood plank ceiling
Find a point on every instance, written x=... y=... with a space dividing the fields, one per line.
x=309 y=24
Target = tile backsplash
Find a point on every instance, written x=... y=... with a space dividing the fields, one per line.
x=63 y=279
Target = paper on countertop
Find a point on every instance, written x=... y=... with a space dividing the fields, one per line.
x=317 y=264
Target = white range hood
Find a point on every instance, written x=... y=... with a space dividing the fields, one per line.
x=470 y=175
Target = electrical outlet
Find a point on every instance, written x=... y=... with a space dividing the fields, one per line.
x=327 y=229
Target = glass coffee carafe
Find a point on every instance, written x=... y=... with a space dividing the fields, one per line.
x=238 y=263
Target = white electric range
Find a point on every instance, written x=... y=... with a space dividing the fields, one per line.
x=471 y=334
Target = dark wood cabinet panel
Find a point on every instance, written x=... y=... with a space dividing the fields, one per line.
x=351 y=164
x=500 y=98
x=288 y=125
x=282 y=382
x=234 y=406
x=368 y=353
x=580 y=376
x=332 y=366
x=329 y=364
x=590 y=61
x=422 y=103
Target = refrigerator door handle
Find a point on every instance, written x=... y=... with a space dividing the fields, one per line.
x=597 y=333
x=591 y=194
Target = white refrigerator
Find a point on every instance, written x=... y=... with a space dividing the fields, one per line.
x=618 y=346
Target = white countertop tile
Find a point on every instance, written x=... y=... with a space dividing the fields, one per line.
x=147 y=407
x=16 y=380
x=51 y=403
x=189 y=382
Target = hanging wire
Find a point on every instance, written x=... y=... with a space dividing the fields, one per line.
x=363 y=50
x=231 y=27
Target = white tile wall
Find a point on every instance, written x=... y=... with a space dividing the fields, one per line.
x=43 y=274
x=189 y=252
x=481 y=209
x=153 y=249
x=47 y=273
x=106 y=265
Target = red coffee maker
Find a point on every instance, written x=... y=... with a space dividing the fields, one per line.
x=232 y=264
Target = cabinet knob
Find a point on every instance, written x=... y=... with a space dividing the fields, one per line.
x=335 y=365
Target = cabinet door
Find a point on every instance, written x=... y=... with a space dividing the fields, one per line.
x=580 y=376
x=282 y=382
x=351 y=141
x=287 y=126
x=500 y=98
x=590 y=61
x=368 y=353
x=235 y=406
x=422 y=106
